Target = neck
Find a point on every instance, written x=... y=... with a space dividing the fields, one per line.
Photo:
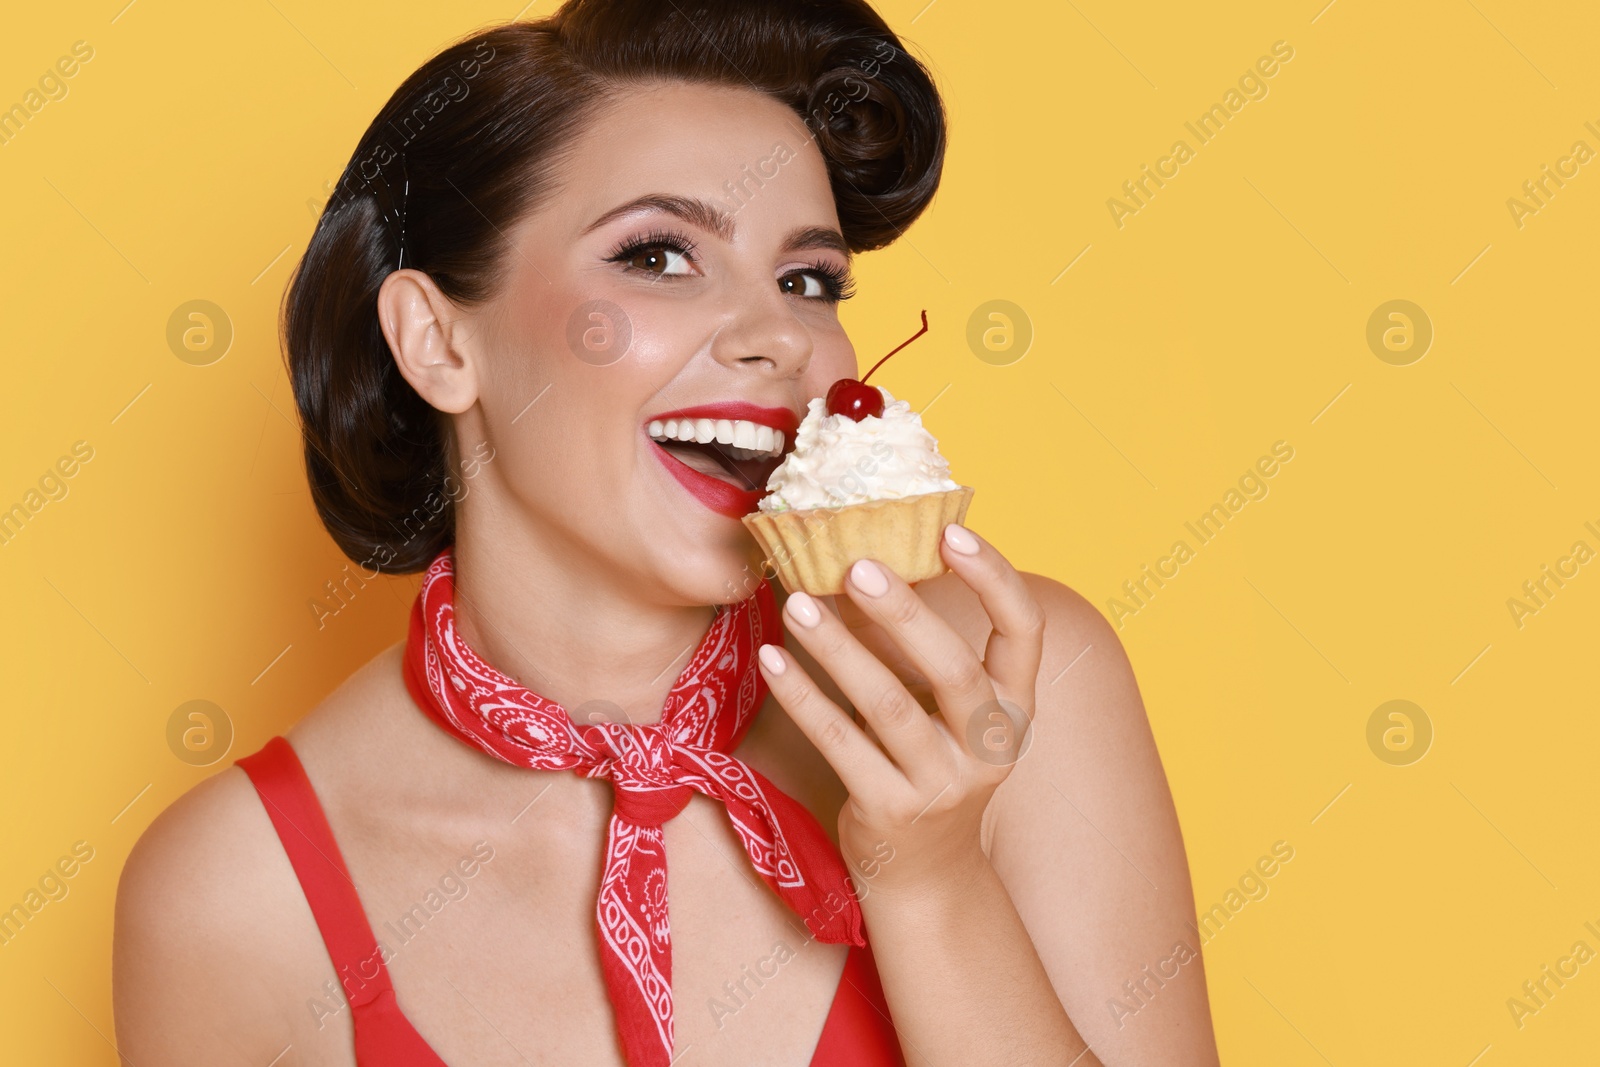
x=561 y=623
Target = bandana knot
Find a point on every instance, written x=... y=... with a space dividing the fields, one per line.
x=654 y=769
x=649 y=807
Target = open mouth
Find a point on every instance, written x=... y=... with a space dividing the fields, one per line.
x=723 y=453
x=742 y=453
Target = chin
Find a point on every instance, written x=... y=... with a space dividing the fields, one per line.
x=711 y=463
x=719 y=578
x=699 y=571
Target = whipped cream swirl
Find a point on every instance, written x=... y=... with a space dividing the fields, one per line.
x=838 y=461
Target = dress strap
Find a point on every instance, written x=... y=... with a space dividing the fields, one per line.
x=384 y=1037
x=856 y=1031
x=297 y=815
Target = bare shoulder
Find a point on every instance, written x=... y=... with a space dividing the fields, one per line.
x=1088 y=717
x=1090 y=745
x=205 y=917
x=1073 y=628
x=212 y=926
x=1085 y=836
x=187 y=867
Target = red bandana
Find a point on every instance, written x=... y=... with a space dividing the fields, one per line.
x=653 y=770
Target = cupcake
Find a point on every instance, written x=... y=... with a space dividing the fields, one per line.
x=864 y=480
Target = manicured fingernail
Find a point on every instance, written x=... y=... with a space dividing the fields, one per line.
x=867 y=577
x=960 y=538
x=803 y=609
x=772 y=659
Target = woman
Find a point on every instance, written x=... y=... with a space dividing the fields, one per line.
x=553 y=233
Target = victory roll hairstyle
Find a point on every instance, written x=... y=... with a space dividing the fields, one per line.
x=469 y=144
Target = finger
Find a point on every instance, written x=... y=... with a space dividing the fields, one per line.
x=897 y=721
x=860 y=764
x=889 y=654
x=879 y=643
x=1016 y=645
x=946 y=660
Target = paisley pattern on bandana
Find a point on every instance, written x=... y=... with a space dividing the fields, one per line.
x=653 y=771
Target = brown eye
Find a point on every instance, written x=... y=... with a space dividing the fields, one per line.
x=802 y=283
x=821 y=282
x=659 y=259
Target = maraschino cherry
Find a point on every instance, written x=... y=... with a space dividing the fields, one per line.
x=856 y=399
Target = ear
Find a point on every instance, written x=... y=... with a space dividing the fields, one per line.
x=427 y=334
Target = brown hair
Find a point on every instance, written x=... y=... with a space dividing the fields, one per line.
x=467 y=145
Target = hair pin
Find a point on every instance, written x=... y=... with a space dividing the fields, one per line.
x=405 y=201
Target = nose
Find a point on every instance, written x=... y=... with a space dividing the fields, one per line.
x=762 y=332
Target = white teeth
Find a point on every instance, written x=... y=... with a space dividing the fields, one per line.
x=744 y=440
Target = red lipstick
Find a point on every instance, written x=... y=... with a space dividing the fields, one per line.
x=778 y=418
x=723 y=497
x=720 y=496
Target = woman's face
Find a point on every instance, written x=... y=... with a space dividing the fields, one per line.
x=690 y=258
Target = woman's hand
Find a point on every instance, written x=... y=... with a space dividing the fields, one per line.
x=919 y=783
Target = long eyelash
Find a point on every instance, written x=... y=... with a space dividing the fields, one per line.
x=838 y=282
x=632 y=246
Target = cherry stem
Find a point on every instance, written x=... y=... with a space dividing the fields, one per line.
x=899 y=346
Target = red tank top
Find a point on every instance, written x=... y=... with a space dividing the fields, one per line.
x=857 y=1032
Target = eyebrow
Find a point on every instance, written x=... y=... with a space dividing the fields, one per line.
x=709 y=216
